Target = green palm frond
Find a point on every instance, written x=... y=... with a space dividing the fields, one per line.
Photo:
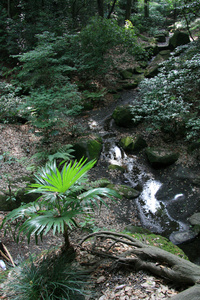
x=63 y=195
x=50 y=179
x=90 y=197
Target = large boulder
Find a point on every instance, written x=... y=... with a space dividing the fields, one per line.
x=195 y=222
x=181 y=237
x=133 y=144
x=179 y=38
x=88 y=148
x=159 y=157
x=122 y=116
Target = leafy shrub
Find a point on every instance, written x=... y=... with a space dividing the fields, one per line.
x=171 y=98
x=45 y=73
x=10 y=103
x=48 y=108
x=52 y=277
x=100 y=36
x=50 y=63
x=157 y=18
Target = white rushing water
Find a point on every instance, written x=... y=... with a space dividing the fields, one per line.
x=148 y=195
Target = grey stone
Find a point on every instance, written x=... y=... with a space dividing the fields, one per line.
x=159 y=157
x=180 y=237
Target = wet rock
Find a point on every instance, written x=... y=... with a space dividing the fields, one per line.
x=179 y=38
x=159 y=157
x=125 y=191
x=152 y=69
x=116 y=167
x=195 y=219
x=195 y=222
x=88 y=148
x=180 y=237
x=133 y=144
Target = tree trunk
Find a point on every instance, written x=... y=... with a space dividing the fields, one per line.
x=146 y=8
x=112 y=9
x=100 y=4
x=145 y=257
x=9 y=9
x=66 y=237
x=128 y=9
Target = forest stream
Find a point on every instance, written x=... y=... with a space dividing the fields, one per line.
x=167 y=196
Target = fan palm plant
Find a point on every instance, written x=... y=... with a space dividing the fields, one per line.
x=63 y=196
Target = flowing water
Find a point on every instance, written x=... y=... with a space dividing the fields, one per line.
x=166 y=200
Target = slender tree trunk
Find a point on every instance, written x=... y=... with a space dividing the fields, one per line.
x=9 y=9
x=128 y=9
x=112 y=9
x=146 y=8
x=100 y=4
x=66 y=237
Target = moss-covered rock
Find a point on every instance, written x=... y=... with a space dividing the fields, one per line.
x=125 y=191
x=159 y=157
x=152 y=69
x=133 y=144
x=130 y=85
x=88 y=148
x=116 y=167
x=122 y=116
x=160 y=242
x=10 y=200
x=179 y=38
x=126 y=74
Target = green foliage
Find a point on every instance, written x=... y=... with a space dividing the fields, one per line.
x=64 y=194
x=156 y=20
x=51 y=277
x=49 y=63
x=48 y=108
x=98 y=38
x=52 y=97
x=170 y=99
x=10 y=103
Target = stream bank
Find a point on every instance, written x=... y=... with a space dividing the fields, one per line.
x=168 y=197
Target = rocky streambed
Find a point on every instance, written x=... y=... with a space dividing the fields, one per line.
x=168 y=195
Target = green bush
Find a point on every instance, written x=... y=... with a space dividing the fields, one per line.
x=171 y=99
x=98 y=38
x=51 y=277
x=10 y=103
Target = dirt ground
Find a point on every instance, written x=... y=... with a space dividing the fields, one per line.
x=18 y=142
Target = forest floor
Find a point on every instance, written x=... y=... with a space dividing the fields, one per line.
x=18 y=145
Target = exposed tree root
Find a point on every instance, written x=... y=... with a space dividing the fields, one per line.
x=145 y=257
